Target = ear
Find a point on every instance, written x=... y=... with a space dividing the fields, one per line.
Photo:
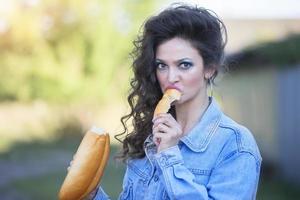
x=209 y=72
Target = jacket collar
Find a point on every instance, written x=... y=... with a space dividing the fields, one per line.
x=199 y=137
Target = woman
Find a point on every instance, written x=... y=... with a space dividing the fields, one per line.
x=202 y=153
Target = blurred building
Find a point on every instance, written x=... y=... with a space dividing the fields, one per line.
x=262 y=91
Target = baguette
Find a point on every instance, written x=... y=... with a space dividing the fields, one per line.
x=88 y=166
x=168 y=98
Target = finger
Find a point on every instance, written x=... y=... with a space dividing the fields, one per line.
x=157 y=137
x=171 y=124
x=171 y=118
x=163 y=117
x=71 y=163
x=161 y=121
x=160 y=116
x=162 y=128
x=168 y=122
x=173 y=129
x=157 y=141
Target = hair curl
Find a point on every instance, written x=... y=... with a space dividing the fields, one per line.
x=205 y=32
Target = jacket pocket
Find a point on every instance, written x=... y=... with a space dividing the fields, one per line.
x=201 y=175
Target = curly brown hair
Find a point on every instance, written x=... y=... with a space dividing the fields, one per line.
x=199 y=26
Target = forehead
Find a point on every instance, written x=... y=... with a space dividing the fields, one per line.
x=176 y=48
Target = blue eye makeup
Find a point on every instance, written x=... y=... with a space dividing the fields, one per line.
x=185 y=64
x=182 y=64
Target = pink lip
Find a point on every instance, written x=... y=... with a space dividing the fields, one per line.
x=173 y=87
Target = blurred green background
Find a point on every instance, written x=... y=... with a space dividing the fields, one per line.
x=65 y=66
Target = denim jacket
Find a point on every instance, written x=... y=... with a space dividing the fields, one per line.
x=217 y=159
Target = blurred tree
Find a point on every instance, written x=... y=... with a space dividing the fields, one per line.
x=63 y=50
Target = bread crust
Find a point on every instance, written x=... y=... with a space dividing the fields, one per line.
x=168 y=98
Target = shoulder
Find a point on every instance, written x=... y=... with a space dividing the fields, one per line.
x=137 y=167
x=237 y=138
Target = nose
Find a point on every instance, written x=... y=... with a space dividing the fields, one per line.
x=173 y=75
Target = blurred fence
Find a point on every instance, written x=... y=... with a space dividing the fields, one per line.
x=288 y=126
x=266 y=100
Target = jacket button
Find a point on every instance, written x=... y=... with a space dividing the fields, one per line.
x=163 y=160
x=156 y=178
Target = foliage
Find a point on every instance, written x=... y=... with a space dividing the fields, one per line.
x=66 y=50
x=277 y=53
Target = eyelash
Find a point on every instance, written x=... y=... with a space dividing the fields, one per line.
x=160 y=66
x=185 y=65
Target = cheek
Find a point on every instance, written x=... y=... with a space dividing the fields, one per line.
x=195 y=81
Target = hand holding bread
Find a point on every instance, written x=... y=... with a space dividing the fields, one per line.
x=163 y=107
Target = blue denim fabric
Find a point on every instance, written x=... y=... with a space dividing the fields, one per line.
x=217 y=159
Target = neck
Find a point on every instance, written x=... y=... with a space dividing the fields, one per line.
x=189 y=113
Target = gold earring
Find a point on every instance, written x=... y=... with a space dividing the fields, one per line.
x=209 y=81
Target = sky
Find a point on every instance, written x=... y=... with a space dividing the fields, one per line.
x=251 y=9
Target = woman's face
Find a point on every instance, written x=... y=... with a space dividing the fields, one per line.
x=180 y=66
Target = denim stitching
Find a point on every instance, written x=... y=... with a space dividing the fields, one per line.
x=137 y=171
x=200 y=171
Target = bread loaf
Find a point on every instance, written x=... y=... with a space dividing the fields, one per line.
x=88 y=166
